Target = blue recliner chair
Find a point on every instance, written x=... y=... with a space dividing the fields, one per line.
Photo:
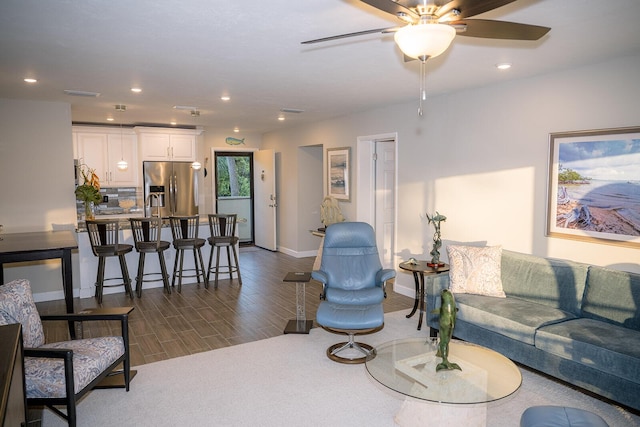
x=353 y=287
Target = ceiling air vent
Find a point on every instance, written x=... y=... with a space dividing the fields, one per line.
x=292 y=110
x=81 y=93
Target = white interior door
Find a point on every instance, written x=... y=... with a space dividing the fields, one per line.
x=385 y=200
x=265 y=201
x=376 y=198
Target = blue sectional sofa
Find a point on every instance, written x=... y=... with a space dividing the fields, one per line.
x=573 y=321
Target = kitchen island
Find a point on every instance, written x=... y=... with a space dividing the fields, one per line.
x=89 y=263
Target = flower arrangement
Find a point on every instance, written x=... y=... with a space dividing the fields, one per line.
x=89 y=191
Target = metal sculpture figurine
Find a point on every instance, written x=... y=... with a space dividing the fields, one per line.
x=448 y=311
x=437 y=243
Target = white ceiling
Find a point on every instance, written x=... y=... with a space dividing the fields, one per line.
x=191 y=52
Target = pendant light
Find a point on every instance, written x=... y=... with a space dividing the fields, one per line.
x=122 y=164
x=423 y=41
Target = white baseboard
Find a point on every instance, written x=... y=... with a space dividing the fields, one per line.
x=404 y=285
x=297 y=254
x=52 y=296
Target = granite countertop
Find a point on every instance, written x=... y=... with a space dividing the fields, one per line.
x=126 y=225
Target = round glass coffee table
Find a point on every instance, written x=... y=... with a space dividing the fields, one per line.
x=408 y=366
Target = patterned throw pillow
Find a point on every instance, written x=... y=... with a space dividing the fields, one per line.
x=17 y=306
x=475 y=270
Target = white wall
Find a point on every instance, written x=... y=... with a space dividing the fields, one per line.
x=480 y=157
x=310 y=195
x=36 y=179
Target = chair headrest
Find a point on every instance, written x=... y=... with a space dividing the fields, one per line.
x=349 y=235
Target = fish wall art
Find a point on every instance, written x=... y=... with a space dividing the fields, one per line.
x=234 y=141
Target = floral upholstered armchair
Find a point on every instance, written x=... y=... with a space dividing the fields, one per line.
x=61 y=373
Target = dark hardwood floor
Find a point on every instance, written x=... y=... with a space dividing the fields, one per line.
x=164 y=326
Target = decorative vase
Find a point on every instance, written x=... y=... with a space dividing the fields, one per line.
x=88 y=211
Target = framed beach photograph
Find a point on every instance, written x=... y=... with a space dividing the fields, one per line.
x=338 y=173
x=594 y=186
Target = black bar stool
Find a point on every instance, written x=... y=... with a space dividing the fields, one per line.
x=147 y=239
x=223 y=235
x=104 y=238
x=185 y=236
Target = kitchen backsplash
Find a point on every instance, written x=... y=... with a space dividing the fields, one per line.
x=119 y=200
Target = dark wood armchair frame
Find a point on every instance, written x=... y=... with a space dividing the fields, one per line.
x=116 y=314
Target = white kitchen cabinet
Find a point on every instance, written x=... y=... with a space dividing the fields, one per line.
x=123 y=147
x=102 y=148
x=162 y=144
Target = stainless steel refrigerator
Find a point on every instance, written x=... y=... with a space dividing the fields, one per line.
x=171 y=186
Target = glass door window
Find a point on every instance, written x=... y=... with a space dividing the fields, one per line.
x=234 y=190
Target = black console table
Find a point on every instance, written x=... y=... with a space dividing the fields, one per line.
x=13 y=403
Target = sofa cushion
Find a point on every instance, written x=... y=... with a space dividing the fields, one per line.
x=552 y=282
x=17 y=306
x=512 y=317
x=612 y=296
x=475 y=270
x=600 y=345
x=91 y=357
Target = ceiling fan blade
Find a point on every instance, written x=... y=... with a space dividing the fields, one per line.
x=489 y=29
x=357 y=33
x=468 y=8
x=396 y=9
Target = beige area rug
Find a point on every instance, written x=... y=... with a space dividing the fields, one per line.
x=289 y=381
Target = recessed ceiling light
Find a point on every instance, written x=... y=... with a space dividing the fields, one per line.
x=225 y=98
x=30 y=80
x=236 y=130
x=281 y=118
x=136 y=89
x=174 y=123
x=109 y=119
x=503 y=66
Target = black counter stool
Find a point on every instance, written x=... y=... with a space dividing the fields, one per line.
x=185 y=236
x=146 y=236
x=223 y=235
x=104 y=238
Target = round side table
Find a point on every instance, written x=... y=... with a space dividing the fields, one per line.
x=419 y=270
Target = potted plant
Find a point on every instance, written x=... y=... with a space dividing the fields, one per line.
x=89 y=191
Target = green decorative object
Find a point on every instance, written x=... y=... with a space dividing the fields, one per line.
x=448 y=311
x=234 y=141
x=437 y=242
x=89 y=191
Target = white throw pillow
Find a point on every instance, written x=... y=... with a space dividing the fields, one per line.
x=475 y=270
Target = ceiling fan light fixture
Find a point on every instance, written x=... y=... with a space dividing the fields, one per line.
x=424 y=40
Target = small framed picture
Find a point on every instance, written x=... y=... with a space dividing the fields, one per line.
x=594 y=186
x=339 y=173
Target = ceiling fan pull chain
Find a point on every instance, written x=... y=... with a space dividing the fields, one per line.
x=423 y=84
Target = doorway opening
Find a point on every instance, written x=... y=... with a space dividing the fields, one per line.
x=234 y=191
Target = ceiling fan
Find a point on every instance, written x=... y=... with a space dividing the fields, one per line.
x=431 y=26
x=452 y=13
